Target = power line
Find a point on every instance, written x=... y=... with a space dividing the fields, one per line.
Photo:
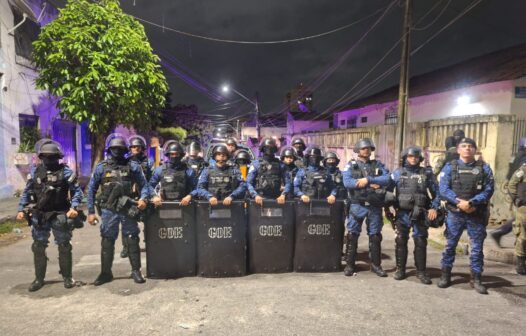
x=214 y=39
x=395 y=66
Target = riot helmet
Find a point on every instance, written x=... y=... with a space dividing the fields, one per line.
x=331 y=155
x=117 y=146
x=314 y=156
x=268 y=147
x=458 y=134
x=193 y=149
x=242 y=157
x=50 y=152
x=363 y=143
x=220 y=149
x=174 y=151
x=413 y=151
x=299 y=145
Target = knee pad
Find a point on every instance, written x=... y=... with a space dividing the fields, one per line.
x=376 y=237
x=38 y=246
x=65 y=247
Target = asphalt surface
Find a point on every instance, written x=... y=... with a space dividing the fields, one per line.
x=258 y=304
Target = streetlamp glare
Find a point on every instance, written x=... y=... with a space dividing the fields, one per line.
x=225 y=89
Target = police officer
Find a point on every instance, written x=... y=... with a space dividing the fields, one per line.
x=288 y=158
x=176 y=179
x=267 y=174
x=365 y=179
x=137 y=153
x=331 y=162
x=117 y=175
x=193 y=160
x=515 y=163
x=412 y=184
x=314 y=181
x=242 y=161
x=299 y=146
x=517 y=190
x=47 y=189
x=221 y=181
x=467 y=186
x=231 y=145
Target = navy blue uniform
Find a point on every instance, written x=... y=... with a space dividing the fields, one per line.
x=57 y=224
x=458 y=221
x=359 y=209
x=109 y=227
x=238 y=186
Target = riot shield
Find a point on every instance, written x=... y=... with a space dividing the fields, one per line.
x=270 y=237
x=171 y=241
x=221 y=239
x=319 y=236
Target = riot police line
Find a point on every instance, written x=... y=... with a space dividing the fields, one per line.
x=199 y=221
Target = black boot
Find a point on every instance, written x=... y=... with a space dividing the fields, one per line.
x=65 y=263
x=40 y=261
x=124 y=252
x=375 y=253
x=445 y=278
x=476 y=283
x=134 y=253
x=400 y=256
x=350 y=254
x=420 y=255
x=521 y=267
x=106 y=262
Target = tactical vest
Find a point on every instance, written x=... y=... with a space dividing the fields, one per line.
x=197 y=166
x=411 y=190
x=368 y=195
x=116 y=182
x=51 y=189
x=268 y=181
x=338 y=181
x=173 y=182
x=315 y=184
x=292 y=170
x=146 y=169
x=466 y=182
x=221 y=182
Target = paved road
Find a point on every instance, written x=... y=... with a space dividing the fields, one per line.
x=284 y=304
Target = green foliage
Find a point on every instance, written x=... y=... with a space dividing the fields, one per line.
x=98 y=60
x=176 y=133
x=8 y=226
x=28 y=138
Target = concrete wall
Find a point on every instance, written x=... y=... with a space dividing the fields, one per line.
x=486 y=99
x=18 y=95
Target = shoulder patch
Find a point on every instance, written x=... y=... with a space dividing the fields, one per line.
x=519 y=173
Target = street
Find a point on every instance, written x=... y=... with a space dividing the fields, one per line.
x=258 y=304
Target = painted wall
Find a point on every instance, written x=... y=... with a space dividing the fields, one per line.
x=486 y=99
x=18 y=96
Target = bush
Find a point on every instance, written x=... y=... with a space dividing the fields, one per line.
x=28 y=138
x=176 y=133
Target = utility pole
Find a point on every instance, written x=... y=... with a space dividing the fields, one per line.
x=258 y=126
x=404 y=82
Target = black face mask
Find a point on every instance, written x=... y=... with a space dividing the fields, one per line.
x=268 y=151
x=49 y=160
x=314 y=161
x=175 y=160
x=117 y=152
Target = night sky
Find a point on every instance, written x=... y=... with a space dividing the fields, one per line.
x=273 y=69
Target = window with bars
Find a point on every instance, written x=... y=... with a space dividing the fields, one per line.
x=352 y=122
x=391 y=116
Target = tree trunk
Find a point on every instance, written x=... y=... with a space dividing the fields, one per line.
x=97 y=148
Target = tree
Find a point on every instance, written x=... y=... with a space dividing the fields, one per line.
x=98 y=61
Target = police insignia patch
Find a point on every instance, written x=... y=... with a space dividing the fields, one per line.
x=519 y=173
x=475 y=171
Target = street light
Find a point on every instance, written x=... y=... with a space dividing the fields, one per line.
x=226 y=89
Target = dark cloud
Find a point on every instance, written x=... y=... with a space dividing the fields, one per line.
x=274 y=69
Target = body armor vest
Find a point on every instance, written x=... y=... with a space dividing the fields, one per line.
x=51 y=189
x=466 y=182
x=341 y=191
x=315 y=184
x=268 y=181
x=221 y=182
x=116 y=182
x=197 y=166
x=173 y=182
x=369 y=195
x=411 y=190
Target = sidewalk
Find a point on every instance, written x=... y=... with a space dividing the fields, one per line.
x=8 y=208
